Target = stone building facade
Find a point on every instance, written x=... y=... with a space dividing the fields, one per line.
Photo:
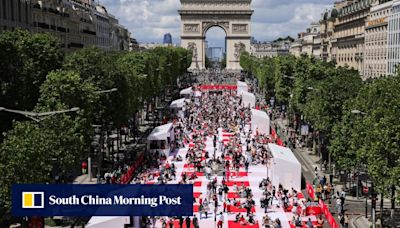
x=327 y=26
x=76 y=23
x=308 y=42
x=15 y=14
x=376 y=36
x=295 y=48
x=393 y=56
x=270 y=49
x=349 y=34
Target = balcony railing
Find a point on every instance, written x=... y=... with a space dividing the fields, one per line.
x=62 y=29
x=75 y=45
x=41 y=25
x=89 y=32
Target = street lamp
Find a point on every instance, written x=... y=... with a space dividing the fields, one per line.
x=38 y=116
x=358 y=112
x=101 y=138
x=355 y=111
x=107 y=91
x=287 y=76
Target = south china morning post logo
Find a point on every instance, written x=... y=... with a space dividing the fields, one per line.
x=102 y=200
x=32 y=200
x=117 y=200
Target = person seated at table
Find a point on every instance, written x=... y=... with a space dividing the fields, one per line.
x=235 y=202
x=235 y=188
x=237 y=218
x=298 y=222
x=167 y=177
x=151 y=176
x=294 y=209
x=228 y=206
x=251 y=219
x=266 y=221
x=293 y=221
x=285 y=200
x=295 y=201
x=320 y=222
x=294 y=192
x=277 y=223
x=242 y=221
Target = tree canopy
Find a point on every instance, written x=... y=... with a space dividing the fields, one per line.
x=107 y=87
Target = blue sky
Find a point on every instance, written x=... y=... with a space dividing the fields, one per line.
x=148 y=20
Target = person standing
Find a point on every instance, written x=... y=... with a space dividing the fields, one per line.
x=346 y=221
x=171 y=222
x=309 y=223
x=201 y=209
x=187 y=221
x=220 y=220
x=266 y=204
x=181 y=222
x=208 y=172
x=195 y=222
x=220 y=192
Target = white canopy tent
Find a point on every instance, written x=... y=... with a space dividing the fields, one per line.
x=186 y=93
x=178 y=104
x=111 y=221
x=160 y=139
x=242 y=86
x=178 y=107
x=259 y=122
x=286 y=169
x=248 y=99
x=197 y=93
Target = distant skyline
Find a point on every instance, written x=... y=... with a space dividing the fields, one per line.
x=149 y=20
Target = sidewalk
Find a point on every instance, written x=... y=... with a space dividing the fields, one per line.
x=360 y=221
x=84 y=179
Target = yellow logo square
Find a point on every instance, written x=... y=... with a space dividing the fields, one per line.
x=33 y=200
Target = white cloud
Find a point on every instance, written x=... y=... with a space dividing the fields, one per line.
x=149 y=20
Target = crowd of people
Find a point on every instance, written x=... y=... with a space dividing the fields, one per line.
x=209 y=117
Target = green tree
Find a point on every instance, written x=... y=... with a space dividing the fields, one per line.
x=100 y=68
x=65 y=90
x=223 y=61
x=32 y=153
x=380 y=100
x=207 y=62
x=324 y=103
x=283 y=78
x=25 y=61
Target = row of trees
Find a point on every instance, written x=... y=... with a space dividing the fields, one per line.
x=37 y=75
x=356 y=122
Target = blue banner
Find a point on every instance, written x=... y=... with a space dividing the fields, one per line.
x=102 y=200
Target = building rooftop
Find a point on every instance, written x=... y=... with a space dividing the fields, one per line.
x=356 y=6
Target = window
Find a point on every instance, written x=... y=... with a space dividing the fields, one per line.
x=26 y=13
x=19 y=11
x=12 y=10
x=4 y=9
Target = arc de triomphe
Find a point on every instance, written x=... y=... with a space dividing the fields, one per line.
x=233 y=16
